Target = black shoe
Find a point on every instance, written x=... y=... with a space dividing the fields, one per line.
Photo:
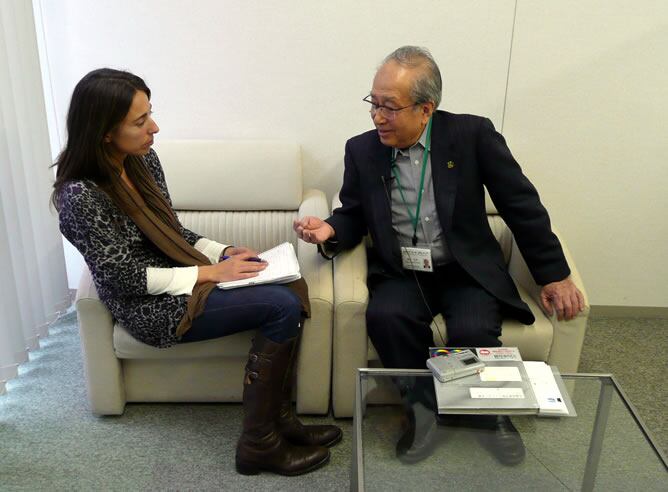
x=421 y=437
x=503 y=441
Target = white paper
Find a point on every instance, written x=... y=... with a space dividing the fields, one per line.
x=282 y=267
x=495 y=373
x=545 y=388
x=497 y=393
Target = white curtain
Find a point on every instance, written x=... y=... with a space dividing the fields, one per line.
x=33 y=281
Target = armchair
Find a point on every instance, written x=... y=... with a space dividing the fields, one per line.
x=215 y=191
x=556 y=342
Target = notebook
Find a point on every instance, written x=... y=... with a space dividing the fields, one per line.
x=283 y=267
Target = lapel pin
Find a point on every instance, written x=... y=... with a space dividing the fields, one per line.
x=451 y=164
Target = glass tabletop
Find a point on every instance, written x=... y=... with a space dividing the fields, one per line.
x=606 y=447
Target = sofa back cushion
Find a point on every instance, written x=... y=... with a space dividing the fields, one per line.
x=235 y=192
x=259 y=230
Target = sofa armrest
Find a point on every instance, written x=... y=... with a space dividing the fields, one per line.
x=350 y=272
x=316 y=270
x=314 y=365
x=103 y=371
x=568 y=336
x=350 y=341
x=520 y=273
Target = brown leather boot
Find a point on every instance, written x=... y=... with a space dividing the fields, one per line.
x=261 y=445
x=288 y=423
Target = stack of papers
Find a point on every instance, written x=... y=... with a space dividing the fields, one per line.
x=507 y=385
x=283 y=267
x=502 y=387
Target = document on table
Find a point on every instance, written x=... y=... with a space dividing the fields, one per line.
x=497 y=393
x=545 y=388
x=502 y=388
x=496 y=373
x=283 y=267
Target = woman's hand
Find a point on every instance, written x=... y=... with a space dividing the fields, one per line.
x=239 y=250
x=236 y=267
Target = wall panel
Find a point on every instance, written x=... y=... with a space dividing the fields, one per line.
x=586 y=117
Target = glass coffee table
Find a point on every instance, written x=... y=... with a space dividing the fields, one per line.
x=606 y=447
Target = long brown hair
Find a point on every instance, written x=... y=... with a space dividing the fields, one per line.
x=99 y=103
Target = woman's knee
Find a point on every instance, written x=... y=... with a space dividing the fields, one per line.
x=287 y=302
x=285 y=314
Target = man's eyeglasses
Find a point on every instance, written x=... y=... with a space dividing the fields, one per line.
x=386 y=112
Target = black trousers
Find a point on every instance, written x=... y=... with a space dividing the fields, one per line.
x=400 y=312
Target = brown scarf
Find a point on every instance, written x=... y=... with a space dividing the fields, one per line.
x=161 y=227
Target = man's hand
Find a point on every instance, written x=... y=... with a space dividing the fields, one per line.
x=564 y=296
x=313 y=230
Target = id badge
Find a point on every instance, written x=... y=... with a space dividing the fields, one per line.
x=418 y=259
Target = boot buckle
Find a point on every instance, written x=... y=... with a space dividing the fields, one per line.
x=250 y=377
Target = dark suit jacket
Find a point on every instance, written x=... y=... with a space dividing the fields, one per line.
x=467 y=153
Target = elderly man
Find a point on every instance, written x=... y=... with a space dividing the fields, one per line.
x=416 y=185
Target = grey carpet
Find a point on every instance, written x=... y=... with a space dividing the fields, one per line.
x=50 y=441
x=635 y=352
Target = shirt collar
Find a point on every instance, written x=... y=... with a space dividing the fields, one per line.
x=421 y=141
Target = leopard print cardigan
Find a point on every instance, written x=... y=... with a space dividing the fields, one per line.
x=117 y=254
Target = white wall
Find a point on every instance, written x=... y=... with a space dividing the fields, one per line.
x=298 y=70
x=587 y=115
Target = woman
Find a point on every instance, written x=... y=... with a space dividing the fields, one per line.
x=158 y=278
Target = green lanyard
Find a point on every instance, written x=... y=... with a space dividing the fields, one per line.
x=425 y=156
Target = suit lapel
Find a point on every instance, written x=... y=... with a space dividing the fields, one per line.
x=380 y=195
x=380 y=157
x=444 y=167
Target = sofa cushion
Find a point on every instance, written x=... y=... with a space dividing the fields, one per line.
x=128 y=347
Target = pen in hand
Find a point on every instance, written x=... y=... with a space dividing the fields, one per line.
x=253 y=258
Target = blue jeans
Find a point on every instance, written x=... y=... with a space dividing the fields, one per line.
x=274 y=310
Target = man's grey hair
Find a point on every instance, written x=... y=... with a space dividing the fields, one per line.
x=428 y=86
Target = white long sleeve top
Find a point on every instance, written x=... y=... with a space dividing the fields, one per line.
x=181 y=280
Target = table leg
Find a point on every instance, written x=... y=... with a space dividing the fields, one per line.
x=596 y=442
x=357 y=465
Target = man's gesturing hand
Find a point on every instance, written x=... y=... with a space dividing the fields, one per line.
x=313 y=230
x=566 y=298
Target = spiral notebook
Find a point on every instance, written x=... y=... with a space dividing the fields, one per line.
x=283 y=267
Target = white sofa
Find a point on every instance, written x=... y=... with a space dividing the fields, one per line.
x=556 y=342
x=236 y=192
